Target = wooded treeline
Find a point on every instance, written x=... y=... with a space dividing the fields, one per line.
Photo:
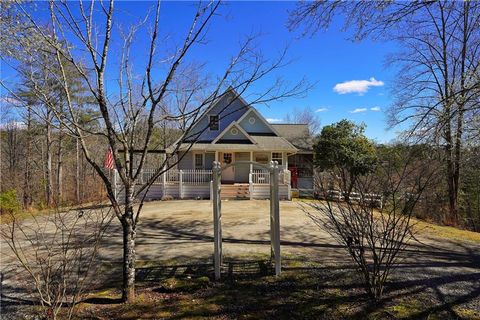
x=436 y=93
x=433 y=205
x=45 y=167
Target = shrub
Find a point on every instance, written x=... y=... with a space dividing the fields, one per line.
x=9 y=203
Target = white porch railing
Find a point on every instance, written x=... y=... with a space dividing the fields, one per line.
x=260 y=176
x=198 y=177
x=184 y=180
x=194 y=177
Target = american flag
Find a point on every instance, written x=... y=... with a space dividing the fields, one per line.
x=108 y=163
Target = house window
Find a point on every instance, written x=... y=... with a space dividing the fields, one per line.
x=261 y=158
x=277 y=156
x=199 y=161
x=213 y=124
x=227 y=158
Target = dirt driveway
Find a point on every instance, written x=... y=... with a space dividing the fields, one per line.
x=184 y=230
x=445 y=267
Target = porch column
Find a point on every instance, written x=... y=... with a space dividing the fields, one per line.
x=251 y=159
x=250 y=178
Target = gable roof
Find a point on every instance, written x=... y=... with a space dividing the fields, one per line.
x=253 y=110
x=230 y=126
x=297 y=134
x=274 y=140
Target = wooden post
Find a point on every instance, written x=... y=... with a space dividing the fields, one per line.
x=272 y=222
x=164 y=182
x=217 y=222
x=180 y=184
x=211 y=190
x=289 y=184
x=276 y=218
x=115 y=183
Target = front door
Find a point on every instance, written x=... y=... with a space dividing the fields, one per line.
x=228 y=175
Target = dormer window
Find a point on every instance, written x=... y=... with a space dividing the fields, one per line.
x=214 y=123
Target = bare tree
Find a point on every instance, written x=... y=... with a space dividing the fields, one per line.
x=436 y=90
x=305 y=116
x=373 y=220
x=56 y=254
x=130 y=118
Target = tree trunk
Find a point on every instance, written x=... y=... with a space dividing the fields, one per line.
x=27 y=188
x=60 y=161
x=60 y=166
x=48 y=161
x=77 y=172
x=129 y=257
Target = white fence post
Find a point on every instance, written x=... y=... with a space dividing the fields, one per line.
x=180 y=184
x=250 y=185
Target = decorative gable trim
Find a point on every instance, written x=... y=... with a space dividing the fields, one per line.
x=252 y=109
x=229 y=127
x=207 y=111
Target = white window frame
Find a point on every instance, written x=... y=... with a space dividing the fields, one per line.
x=209 y=121
x=195 y=160
x=280 y=163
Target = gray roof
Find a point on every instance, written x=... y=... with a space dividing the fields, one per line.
x=263 y=143
x=296 y=134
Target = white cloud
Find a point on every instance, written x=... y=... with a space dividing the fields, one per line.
x=357 y=86
x=375 y=108
x=358 y=110
x=12 y=124
x=322 y=109
x=10 y=101
x=274 y=120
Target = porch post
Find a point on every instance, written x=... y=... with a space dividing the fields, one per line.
x=251 y=159
x=180 y=184
x=250 y=177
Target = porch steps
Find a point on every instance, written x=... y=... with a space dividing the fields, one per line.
x=235 y=191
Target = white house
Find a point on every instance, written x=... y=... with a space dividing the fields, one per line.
x=233 y=131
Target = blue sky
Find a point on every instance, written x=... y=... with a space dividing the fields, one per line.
x=327 y=59
x=351 y=80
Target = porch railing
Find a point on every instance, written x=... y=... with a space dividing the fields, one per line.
x=180 y=178
x=198 y=177
x=194 y=177
x=260 y=176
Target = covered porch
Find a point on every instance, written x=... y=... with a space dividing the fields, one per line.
x=239 y=174
x=197 y=183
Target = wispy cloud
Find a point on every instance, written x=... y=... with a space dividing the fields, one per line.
x=10 y=101
x=322 y=109
x=357 y=86
x=375 y=109
x=358 y=110
x=274 y=120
